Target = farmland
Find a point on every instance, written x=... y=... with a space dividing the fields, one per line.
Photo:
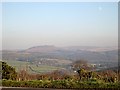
x=31 y=68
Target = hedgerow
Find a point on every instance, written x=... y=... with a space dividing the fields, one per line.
x=59 y=84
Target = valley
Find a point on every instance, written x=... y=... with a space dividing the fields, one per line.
x=42 y=59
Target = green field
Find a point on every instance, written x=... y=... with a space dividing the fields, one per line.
x=31 y=68
x=44 y=68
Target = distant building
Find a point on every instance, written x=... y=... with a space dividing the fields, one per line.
x=93 y=65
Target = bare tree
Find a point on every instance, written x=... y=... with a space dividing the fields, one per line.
x=80 y=64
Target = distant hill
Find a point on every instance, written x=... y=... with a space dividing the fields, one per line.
x=91 y=54
x=52 y=48
x=91 y=48
x=42 y=49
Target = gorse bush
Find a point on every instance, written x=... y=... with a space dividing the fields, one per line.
x=59 y=84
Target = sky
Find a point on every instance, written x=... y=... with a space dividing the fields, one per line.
x=27 y=24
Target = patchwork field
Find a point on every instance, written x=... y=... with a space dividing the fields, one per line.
x=31 y=68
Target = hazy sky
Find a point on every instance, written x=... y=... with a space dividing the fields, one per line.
x=60 y=24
